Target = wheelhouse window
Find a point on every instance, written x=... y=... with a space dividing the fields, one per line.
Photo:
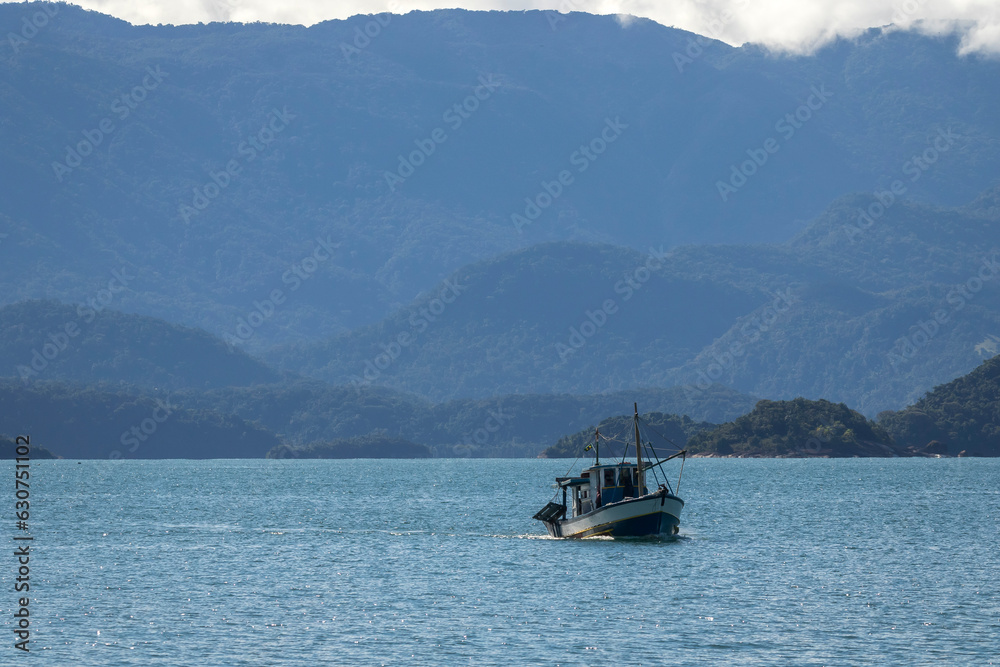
x=609 y=477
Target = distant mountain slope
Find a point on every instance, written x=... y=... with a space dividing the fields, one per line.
x=9 y=449
x=536 y=321
x=872 y=316
x=84 y=423
x=45 y=340
x=305 y=412
x=963 y=415
x=882 y=312
x=360 y=447
x=218 y=159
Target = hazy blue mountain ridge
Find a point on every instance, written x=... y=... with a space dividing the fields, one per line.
x=90 y=343
x=307 y=411
x=80 y=422
x=251 y=142
x=871 y=317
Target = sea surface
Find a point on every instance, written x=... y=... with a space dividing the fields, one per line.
x=438 y=562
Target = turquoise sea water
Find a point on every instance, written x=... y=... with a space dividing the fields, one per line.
x=826 y=562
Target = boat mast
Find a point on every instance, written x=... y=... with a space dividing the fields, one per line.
x=597 y=447
x=638 y=454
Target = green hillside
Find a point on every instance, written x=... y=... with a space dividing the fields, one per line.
x=962 y=415
x=798 y=428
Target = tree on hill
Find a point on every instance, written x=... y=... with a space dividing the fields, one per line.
x=797 y=428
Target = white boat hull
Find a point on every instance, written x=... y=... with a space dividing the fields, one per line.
x=652 y=515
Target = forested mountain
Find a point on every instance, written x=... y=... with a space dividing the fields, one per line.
x=306 y=412
x=560 y=318
x=962 y=415
x=870 y=315
x=77 y=421
x=85 y=422
x=473 y=211
x=313 y=183
x=87 y=343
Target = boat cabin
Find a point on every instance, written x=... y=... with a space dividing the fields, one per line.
x=600 y=485
x=612 y=499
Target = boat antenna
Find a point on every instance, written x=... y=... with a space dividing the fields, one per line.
x=638 y=454
x=683 y=459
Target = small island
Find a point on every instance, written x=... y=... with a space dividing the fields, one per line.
x=8 y=450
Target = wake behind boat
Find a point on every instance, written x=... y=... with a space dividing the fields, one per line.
x=613 y=499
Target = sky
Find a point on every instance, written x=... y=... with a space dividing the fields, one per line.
x=798 y=26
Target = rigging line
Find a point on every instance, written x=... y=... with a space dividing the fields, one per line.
x=659 y=434
x=572 y=465
x=618 y=436
x=656 y=475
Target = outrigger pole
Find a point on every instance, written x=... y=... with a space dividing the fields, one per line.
x=669 y=458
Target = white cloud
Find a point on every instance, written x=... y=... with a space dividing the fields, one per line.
x=787 y=25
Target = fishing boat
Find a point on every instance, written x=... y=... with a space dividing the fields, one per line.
x=614 y=500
